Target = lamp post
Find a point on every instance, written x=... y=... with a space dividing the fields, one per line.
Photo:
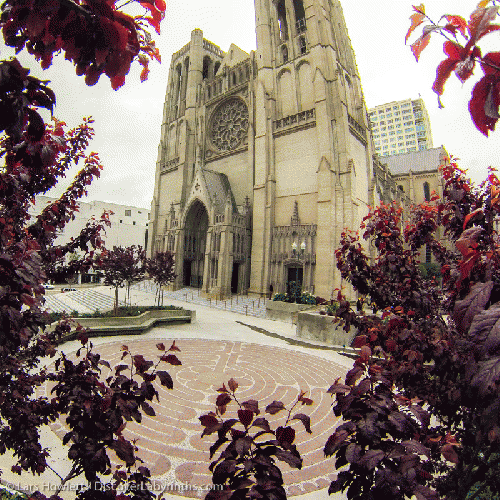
x=294 y=248
x=303 y=248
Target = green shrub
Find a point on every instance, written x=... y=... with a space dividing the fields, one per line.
x=307 y=298
x=281 y=297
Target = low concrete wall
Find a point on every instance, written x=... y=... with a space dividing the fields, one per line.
x=314 y=326
x=131 y=325
x=285 y=311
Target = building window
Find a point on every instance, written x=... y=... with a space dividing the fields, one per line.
x=284 y=53
x=121 y=222
x=427 y=192
x=128 y=213
x=302 y=44
x=133 y=223
x=282 y=23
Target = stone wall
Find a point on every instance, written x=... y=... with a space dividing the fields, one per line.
x=313 y=326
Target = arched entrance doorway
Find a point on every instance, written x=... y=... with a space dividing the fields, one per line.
x=195 y=243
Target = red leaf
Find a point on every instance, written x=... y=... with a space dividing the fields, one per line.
x=416 y=19
x=449 y=453
x=160 y=347
x=483 y=106
x=160 y=5
x=479 y=23
x=472 y=215
x=458 y=23
x=360 y=341
x=117 y=81
x=445 y=68
x=420 y=44
x=467 y=241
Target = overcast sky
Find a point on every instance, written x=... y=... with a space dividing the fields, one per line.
x=128 y=121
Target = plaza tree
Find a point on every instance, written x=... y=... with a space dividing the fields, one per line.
x=161 y=268
x=122 y=266
x=100 y=39
x=421 y=403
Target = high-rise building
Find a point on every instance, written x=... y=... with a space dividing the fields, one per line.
x=265 y=157
x=400 y=127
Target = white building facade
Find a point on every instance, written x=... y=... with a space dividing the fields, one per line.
x=129 y=224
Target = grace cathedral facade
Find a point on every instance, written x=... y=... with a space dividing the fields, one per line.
x=264 y=157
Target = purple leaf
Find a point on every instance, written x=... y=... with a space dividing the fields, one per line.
x=334 y=441
x=275 y=407
x=165 y=379
x=487 y=376
x=472 y=304
x=251 y=404
x=305 y=419
x=371 y=458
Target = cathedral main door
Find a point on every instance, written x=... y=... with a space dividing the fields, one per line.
x=195 y=243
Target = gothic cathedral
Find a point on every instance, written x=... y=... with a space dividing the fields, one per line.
x=264 y=157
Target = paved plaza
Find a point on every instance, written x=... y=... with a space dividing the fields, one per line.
x=259 y=353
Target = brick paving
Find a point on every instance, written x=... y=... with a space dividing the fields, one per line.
x=170 y=443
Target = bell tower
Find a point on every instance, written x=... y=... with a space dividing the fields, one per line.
x=312 y=145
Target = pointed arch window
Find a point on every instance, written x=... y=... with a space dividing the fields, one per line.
x=427 y=192
x=282 y=22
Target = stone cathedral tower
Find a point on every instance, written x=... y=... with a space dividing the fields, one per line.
x=264 y=157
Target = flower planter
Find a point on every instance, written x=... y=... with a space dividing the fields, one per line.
x=131 y=325
x=314 y=326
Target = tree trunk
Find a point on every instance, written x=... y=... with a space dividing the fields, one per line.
x=116 y=301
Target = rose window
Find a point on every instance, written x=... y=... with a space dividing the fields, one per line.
x=229 y=124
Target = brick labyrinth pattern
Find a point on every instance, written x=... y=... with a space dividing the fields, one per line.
x=170 y=443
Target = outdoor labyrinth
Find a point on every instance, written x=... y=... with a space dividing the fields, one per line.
x=170 y=443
